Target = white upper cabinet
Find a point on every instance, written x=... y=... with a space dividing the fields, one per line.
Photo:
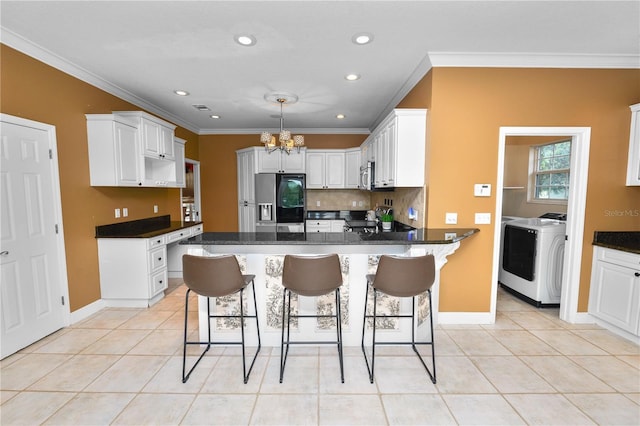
x=114 y=157
x=633 y=166
x=399 y=144
x=156 y=134
x=280 y=162
x=325 y=169
x=180 y=181
x=352 y=168
x=132 y=148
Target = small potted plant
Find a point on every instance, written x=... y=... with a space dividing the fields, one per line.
x=386 y=220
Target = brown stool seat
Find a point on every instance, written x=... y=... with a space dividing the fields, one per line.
x=217 y=276
x=310 y=276
x=398 y=276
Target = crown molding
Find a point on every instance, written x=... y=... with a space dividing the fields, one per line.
x=29 y=48
x=303 y=131
x=533 y=60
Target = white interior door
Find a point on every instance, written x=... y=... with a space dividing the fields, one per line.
x=32 y=267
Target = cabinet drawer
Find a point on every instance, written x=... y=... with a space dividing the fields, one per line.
x=178 y=235
x=158 y=259
x=621 y=258
x=154 y=242
x=196 y=230
x=158 y=282
x=318 y=225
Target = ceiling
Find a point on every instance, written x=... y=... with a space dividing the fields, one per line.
x=142 y=51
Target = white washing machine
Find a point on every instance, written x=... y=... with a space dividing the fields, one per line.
x=532 y=259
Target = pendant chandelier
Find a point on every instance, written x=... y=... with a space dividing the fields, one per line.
x=286 y=143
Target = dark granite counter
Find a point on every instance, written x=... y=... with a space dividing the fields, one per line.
x=142 y=228
x=418 y=236
x=618 y=240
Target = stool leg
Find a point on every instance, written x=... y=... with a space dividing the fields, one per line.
x=339 y=332
x=244 y=366
x=433 y=340
x=364 y=327
x=246 y=372
x=185 y=377
x=432 y=376
x=287 y=309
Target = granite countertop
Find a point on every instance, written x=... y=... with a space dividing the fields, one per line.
x=628 y=241
x=418 y=236
x=142 y=228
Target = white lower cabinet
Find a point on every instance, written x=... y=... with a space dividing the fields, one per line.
x=133 y=271
x=614 y=296
x=333 y=225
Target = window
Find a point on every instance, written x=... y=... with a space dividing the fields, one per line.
x=550 y=172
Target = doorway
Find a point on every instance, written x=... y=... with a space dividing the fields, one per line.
x=190 y=194
x=190 y=211
x=580 y=143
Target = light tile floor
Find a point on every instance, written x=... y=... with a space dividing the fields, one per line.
x=122 y=366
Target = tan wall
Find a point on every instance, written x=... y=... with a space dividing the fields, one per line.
x=33 y=90
x=467 y=108
x=219 y=173
x=516 y=177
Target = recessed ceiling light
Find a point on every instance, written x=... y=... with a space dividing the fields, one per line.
x=352 y=77
x=340 y=116
x=214 y=116
x=181 y=92
x=362 y=38
x=245 y=40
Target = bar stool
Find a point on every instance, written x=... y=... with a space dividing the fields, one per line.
x=310 y=276
x=401 y=277
x=217 y=277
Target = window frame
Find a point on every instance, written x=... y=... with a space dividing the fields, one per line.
x=534 y=172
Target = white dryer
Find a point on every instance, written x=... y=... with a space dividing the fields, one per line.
x=532 y=259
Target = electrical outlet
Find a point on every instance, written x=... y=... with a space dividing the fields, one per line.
x=483 y=218
x=353 y=203
x=125 y=212
x=318 y=203
x=155 y=209
x=117 y=213
x=451 y=218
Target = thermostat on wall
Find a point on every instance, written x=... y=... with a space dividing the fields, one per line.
x=482 y=189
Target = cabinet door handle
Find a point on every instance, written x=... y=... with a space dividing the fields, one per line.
x=4 y=253
x=637 y=274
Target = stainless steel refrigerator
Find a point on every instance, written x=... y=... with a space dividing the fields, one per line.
x=280 y=201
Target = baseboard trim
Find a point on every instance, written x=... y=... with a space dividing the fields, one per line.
x=86 y=311
x=465 y=318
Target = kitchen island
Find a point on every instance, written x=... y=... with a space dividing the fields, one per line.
x=262 y=255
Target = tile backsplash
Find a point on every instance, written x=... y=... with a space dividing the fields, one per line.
x=343 y=199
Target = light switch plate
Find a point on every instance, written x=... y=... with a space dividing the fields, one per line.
x=482 y=189
x=483 y=218
x=117 y=213
x=451 y=218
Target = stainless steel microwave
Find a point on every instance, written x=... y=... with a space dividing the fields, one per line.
x=368 y=178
